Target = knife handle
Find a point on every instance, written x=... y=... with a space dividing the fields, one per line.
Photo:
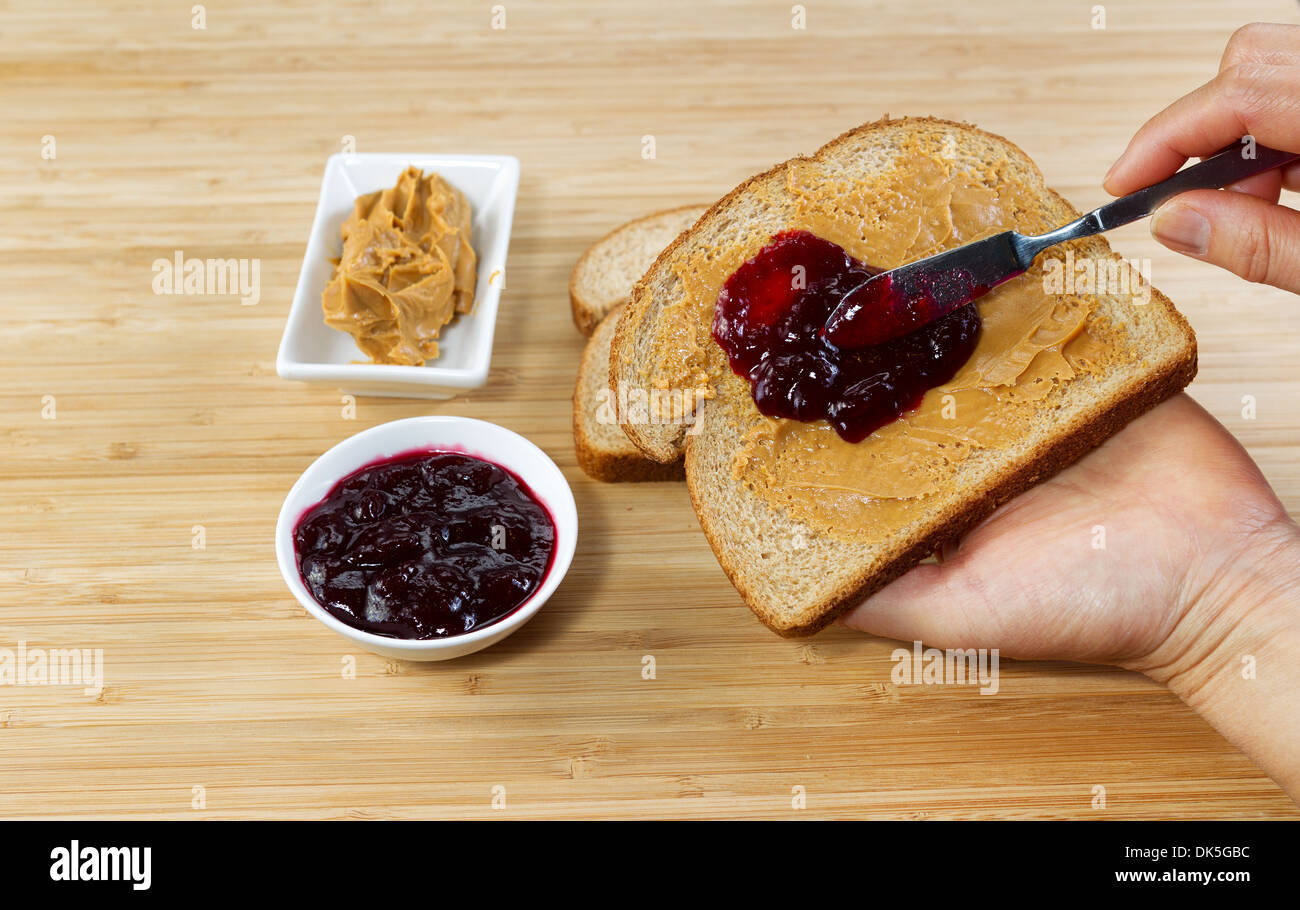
x=1215 y=172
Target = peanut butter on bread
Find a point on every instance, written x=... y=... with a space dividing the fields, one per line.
x=407 y=269
x=1032 y=343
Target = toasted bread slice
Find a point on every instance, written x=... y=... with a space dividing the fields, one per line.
x=603 y=278
x=796 y=580
x=603 y=449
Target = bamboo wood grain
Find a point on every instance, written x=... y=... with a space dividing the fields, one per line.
x=168 y=414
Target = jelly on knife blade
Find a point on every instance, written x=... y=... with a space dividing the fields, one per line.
x=887 y=306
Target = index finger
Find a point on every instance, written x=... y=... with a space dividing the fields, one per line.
x=1259 y=100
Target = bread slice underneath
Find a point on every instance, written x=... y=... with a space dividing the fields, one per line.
x=797 y=580
x=604 y=276
x=603 y=449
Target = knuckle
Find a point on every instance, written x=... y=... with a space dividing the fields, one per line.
x=1252 y=254
x=1243 y=40
x=1243 y=87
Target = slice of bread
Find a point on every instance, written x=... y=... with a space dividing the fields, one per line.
x=603 y=278
x=603 y=449
x=798 y=581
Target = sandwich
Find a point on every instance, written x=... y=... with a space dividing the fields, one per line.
x=809 y=515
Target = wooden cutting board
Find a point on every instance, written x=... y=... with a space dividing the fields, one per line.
x=147 y=442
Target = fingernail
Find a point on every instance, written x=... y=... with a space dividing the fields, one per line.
x=1105 y=181
x=1182 y=228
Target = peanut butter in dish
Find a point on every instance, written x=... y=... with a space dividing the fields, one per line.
x=406 y=271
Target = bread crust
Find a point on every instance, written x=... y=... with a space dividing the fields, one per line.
x=586 y=314
x=625 y=468
x=595 y=459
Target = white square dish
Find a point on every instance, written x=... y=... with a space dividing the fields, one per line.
x=311 y=351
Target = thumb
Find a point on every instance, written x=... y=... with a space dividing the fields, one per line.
x=1247 y=235
x=930 y=603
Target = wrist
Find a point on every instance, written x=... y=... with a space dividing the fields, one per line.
x=1233 y=600
x=1231 y=654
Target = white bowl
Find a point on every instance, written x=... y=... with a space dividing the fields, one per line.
x=463 y=434
x=313 y=352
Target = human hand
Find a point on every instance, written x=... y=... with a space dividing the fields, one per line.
x=1200 y=569
x=1180 y=509
x=1256 y=93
